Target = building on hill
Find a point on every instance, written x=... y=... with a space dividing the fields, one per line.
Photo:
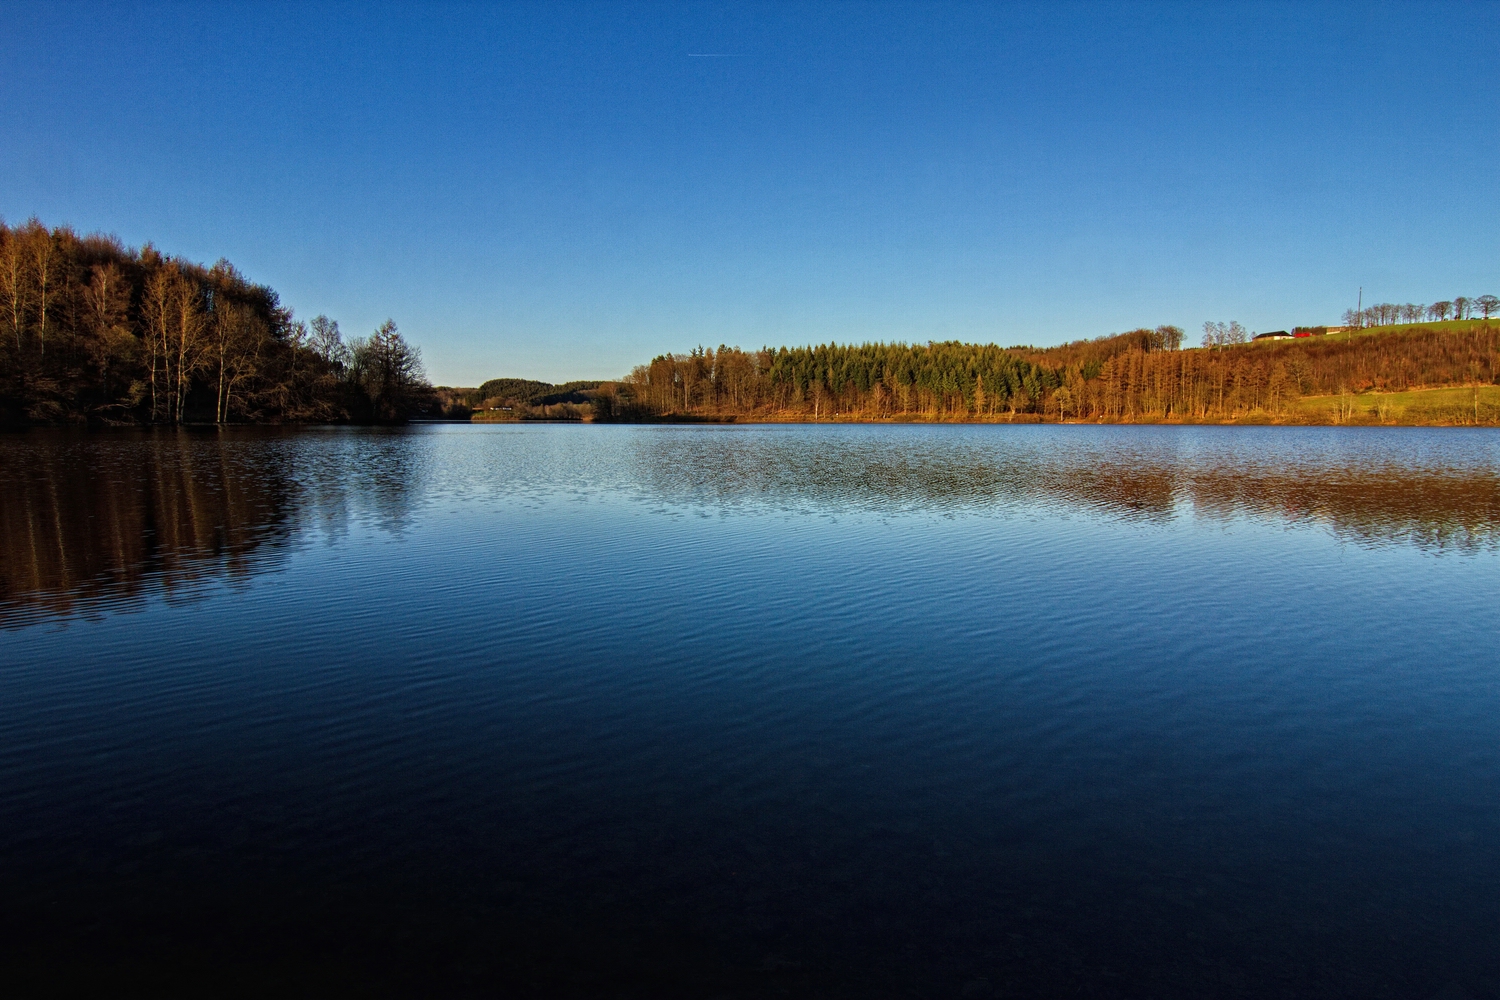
x=1273 y=335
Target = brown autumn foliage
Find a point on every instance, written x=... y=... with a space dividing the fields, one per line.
x=1142 y=375
x=92 y=330
x=1226 y=383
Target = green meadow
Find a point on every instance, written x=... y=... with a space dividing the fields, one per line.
x=1463 y=405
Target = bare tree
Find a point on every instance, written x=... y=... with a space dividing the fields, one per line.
x=189 y=335
x=327 y=342
x=175 y=325
x=1461 y=307
x=41 y=260
x=1439 y=310
x=1487 y=305
x=1224 y=334
x=229 y=322
x=106 y=299
x=13 y=281
x=156 y=311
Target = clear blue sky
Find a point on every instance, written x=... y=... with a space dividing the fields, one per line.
x=561 y=191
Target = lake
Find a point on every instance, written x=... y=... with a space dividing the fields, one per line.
x=746 y=711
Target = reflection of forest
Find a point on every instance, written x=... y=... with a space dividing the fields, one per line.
x=88 y=520
x=92 y=519
x=1432 y=507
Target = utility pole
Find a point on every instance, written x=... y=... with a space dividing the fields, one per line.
x=1359 y=310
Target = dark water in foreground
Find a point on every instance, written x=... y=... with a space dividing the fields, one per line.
x=752 y=711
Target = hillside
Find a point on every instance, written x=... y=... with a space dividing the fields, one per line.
x=502 y=399
x=1141 y=375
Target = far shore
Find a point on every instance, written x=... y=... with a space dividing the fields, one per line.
x=1461 y=406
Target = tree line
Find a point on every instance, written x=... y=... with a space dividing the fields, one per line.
x=938 y=379
x=1461 y=307
x=1143 y=374
x=97 y=331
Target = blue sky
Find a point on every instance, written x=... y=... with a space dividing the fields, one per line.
x=562 y=191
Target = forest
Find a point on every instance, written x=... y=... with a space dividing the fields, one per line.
x=1141 y=375
x=93 y=331
x=504 y=399
x=96 y=332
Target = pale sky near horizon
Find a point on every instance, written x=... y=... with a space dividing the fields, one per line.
x=561 y=191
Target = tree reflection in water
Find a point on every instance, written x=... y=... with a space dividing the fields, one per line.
x=91 y=521
x=96 y=520
x=1368 y=496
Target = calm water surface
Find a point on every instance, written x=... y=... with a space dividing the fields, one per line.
x=752 y=711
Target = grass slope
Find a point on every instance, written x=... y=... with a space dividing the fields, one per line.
x=1464 y=405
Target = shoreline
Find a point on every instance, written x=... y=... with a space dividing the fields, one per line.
x=1439 y=406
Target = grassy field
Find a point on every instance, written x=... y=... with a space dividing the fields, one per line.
x=1467 y=405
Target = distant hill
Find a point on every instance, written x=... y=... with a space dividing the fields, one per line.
x=511 y=390
x=529 y=392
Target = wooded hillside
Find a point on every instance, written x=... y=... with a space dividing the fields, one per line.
x=91 y=330
x=1140 y=375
